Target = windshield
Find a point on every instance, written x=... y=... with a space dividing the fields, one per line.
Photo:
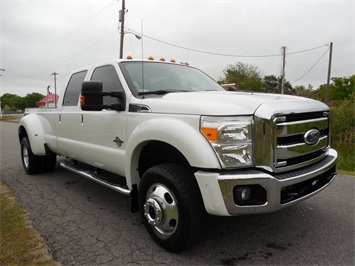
x=160 y=78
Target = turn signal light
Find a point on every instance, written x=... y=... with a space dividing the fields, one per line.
x=82 y=100
x=210 y=133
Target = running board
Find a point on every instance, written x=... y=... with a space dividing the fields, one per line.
x=95 y=177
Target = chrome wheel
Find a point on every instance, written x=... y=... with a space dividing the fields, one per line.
x=25 y=156
x=31 y=162
x=161 y=210
x=171 y=205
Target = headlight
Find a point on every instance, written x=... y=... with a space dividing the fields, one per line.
x=231 y=138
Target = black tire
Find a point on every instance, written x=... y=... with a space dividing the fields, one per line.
x=171 y=206
x=49 y=162
x=31 y=163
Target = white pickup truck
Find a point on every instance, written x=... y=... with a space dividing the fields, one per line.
x=179 y=145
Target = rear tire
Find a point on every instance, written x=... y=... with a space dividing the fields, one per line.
x=34 y=164
x=171 y=206
x=31 y=163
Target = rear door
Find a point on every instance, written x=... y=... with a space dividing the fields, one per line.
x=68 y=118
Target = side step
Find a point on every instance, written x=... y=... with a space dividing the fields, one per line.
x=98 y=178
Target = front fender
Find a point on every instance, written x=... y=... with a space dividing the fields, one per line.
x=35 y=133
x=183 y=136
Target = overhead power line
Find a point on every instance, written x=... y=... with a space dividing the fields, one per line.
x=81 y=52
x=222 y=54
x=307 y=50
x=68 y=35
x=200 y=51
x=309 y=70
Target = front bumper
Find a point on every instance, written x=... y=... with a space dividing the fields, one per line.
x=282 y=190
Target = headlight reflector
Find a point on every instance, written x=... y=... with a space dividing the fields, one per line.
x=231 y=139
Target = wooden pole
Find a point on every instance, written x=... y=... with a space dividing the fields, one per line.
x=329 y=70
x=122 y=28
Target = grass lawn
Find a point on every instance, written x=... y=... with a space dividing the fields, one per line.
x=20 y=243
x=7 y=118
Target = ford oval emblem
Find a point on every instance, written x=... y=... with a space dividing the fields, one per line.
x=311 y=137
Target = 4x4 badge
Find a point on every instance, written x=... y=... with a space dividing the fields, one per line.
x=311 y=137
x=118 y=141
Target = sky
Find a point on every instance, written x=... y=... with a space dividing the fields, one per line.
x=41 y=37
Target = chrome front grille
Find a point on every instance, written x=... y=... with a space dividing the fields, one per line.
x=291 y=149
x=281 y=141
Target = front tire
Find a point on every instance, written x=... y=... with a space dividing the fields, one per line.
x=171 y=206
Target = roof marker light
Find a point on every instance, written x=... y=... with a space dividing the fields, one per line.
x=162 y=59
x=150 y=58
x=129 y=57
x=172 y=60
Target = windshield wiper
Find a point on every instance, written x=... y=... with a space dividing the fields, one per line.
x=159 y=92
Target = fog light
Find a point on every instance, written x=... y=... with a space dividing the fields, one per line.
x=249 y=195
x=244 y=193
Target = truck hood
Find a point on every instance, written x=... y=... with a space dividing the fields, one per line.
x=229 y=103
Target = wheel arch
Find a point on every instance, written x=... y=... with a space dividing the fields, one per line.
x=30 y=126
x=163 y=153
x=22 y=133
x=185 y=145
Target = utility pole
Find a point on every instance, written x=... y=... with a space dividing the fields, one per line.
x=121 y=19
x=329 y=70
x=48 y=94
x=55 y=88
x=283 y=48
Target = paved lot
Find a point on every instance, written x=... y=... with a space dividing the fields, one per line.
x=85 y=223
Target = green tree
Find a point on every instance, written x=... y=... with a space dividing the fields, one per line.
x=271 y=84
x=12 y=101
x=30 y=99
x=305 y=92
x=7 y=108
x=246 y=77
x=288 y=89
x=340 y=88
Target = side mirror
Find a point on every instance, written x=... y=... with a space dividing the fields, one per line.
x=92 y=95
x=91 y=98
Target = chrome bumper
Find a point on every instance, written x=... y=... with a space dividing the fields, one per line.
x=217 y=188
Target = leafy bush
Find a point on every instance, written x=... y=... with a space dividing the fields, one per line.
x=343 y=132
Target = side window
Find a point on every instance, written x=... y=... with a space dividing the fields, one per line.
x=110 y=81
x=73 y=89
